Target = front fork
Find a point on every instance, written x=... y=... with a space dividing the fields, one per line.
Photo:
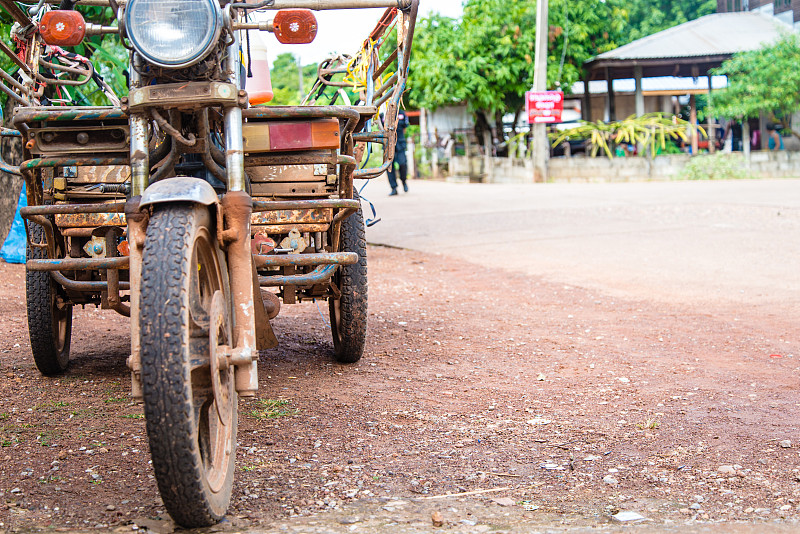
x=237 y=207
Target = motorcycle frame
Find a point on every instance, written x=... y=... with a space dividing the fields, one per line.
x=233 y=211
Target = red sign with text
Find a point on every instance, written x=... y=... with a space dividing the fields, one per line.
x=544 y=107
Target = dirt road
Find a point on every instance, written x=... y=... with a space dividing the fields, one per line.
x=547 y=405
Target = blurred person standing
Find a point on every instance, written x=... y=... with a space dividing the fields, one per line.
x=400 y=155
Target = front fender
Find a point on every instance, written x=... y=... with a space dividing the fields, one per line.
x=179 y=189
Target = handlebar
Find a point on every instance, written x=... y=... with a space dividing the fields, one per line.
x=314 y=5
x=321 y=5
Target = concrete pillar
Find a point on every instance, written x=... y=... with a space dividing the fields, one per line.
x=712 y=134
x=637 y=74
x=487 y=148
x=746 y=139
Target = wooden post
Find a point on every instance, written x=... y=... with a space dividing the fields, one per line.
x=693 y=121
x=586 y=112
x=611 y=105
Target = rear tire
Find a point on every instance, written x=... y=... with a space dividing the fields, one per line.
x=349 y=313
x=192 y=432
x=49 y=315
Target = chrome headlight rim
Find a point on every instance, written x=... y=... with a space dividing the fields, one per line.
x=204 y=51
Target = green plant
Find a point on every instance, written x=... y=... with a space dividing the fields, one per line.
x=715 y=167
x=133 y=416
x=652 y=131
x=271 y=409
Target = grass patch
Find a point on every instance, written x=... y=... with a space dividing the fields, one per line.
x=133 y=416
x=715 y=167
x=650 y=424
x=272 y=409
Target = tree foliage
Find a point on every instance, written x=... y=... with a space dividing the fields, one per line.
x=761 y=80
x=486 y=59
x=649 y=17
x=286 y=80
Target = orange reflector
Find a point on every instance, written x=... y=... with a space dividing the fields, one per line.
x=291 y=136
x=124 y=248
x=325 y=133
x=62 y=28
x=295 y=26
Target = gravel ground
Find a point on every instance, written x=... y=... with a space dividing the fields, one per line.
x=548 y=407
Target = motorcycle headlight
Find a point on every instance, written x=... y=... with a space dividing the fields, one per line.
x=173 y=33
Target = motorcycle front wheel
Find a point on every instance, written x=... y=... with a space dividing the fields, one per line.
x=190 y=402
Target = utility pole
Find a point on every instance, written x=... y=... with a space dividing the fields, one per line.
x=301 y=89
x=541 y=146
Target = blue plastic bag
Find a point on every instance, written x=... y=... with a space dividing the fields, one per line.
x=13 y=250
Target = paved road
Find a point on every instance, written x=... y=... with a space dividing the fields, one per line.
x=735 y=242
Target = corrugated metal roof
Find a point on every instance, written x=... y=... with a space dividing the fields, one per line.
x=717 y=34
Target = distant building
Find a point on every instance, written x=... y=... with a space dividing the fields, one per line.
x=787 y=11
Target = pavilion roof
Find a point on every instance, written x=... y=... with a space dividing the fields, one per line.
x=690 y=49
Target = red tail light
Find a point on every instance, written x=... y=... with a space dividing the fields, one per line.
x=62 y=28
x=295 y=26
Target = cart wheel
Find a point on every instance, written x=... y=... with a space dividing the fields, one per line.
x=349 y=312
x=49 y=315
x=190 y=402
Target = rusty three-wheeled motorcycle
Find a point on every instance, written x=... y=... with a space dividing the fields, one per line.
x=190 y=209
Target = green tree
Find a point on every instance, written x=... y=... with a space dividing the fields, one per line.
x=761 y=80
x=486 y=59
x=646 y=17
x=286 y=80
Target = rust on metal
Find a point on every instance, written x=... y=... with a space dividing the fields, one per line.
x=300 y=216
x=237 y=208
x=306 y=260
x=86 y=139
x=77 y=232
x=81 y=286
x=137 y=228
x=307 y=157
x=55 y=113
x=303 y=228
x=77 y=264
x=90 y=220
x=191 y=95
x=57 y=209
x=38 y=163
x=272 y=304
x=260 y=205
x=320 y=275
x=102 y=175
